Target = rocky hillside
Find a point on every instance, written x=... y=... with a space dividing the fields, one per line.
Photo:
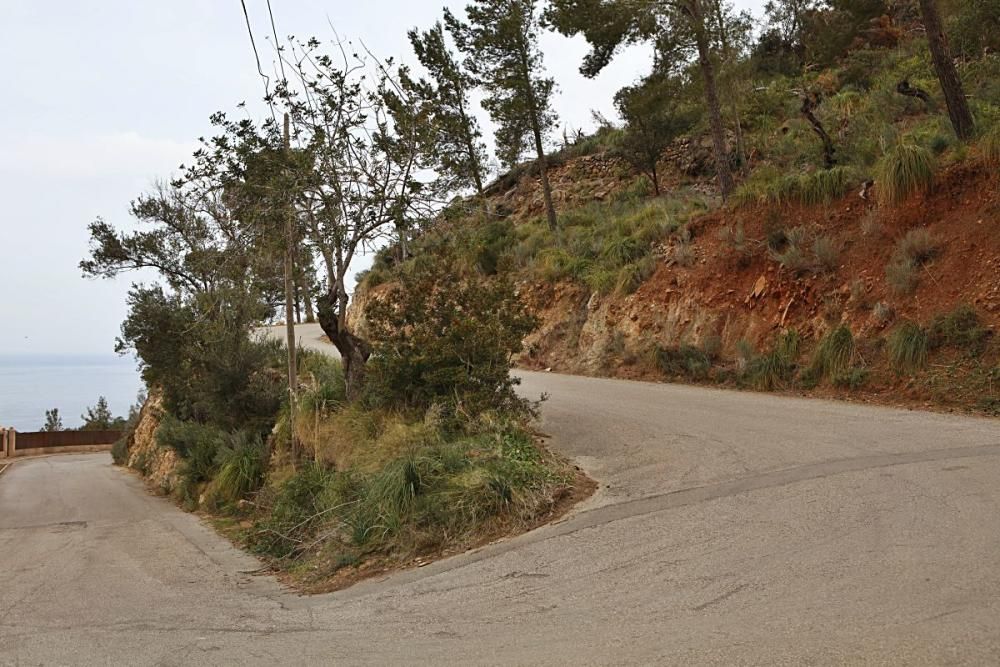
x=719 y=285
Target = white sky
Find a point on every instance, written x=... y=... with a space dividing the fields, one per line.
x=103 y=98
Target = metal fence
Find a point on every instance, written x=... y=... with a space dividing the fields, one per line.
x=12 y=441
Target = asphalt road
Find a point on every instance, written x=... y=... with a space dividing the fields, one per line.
x=730 y=529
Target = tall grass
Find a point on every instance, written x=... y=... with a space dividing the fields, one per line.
x=242 y=467
x=414 y=503
x=834 y=354
x=775 y=369
x=819 y=187
x=908 y=346
x=904 y=170
x=989 y=146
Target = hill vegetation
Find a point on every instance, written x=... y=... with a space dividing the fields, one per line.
x=808 y=206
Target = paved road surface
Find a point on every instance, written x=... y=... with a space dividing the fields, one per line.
x=733 y=529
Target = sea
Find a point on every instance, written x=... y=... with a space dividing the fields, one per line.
x=30 y=384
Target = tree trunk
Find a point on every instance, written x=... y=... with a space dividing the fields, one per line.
x=655 y=177
x=809 y=103
x=354 y=351
x=951 y=84
x=543 y=166
x=722 y=169
x=536 y=129
x=307 y=300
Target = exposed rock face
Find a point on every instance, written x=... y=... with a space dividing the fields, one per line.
x=157 y=464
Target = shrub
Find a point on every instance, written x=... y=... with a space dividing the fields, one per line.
x=621 y=250
x=912 y=251
x=871 y=225
x=883 y=313
x=825 y=185
x=905 y=169
x=685 y=361
x=198 y=445
x=119 y=451
x=834 y=353
x=908 y=345
x=902 y=277
x=684 y=254
x=918 y=246
x=323 y=380
x=827 y=253
x=631 y=276
x=792 y=258
x=852 y=378
x=444 y=338
x=960 y=329
x=295 y=511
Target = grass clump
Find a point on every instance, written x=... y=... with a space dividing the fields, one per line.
x=989 y=146
x=775 y=369
x=242 y=467
x=834 y=354
x=906 y=169
x=908 y=345
x=417 y=502
x=774 y=189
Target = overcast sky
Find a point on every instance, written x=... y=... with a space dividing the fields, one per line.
x=103 y=98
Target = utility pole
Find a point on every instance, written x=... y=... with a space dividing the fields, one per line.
x=290 y=301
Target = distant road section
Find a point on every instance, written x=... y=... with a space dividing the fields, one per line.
x=730 y=528
x=309 y=336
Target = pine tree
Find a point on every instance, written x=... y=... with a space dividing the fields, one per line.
x=676 y=27
x=98 y=417
x=458 y=150
x=53 y=422
x=500 y=41
x=951 y=84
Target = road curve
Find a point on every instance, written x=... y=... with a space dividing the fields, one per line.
x=730 y=528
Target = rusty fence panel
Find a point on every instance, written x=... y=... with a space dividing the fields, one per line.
x=45 y=439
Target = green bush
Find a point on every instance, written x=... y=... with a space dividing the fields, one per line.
x=685 y=361
x=444 y=338
x=852 y=378
x=904 y=170
x=961 y=328
x=198 y=445
x=295 y=511
x=908 y=345
x=119 y=451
